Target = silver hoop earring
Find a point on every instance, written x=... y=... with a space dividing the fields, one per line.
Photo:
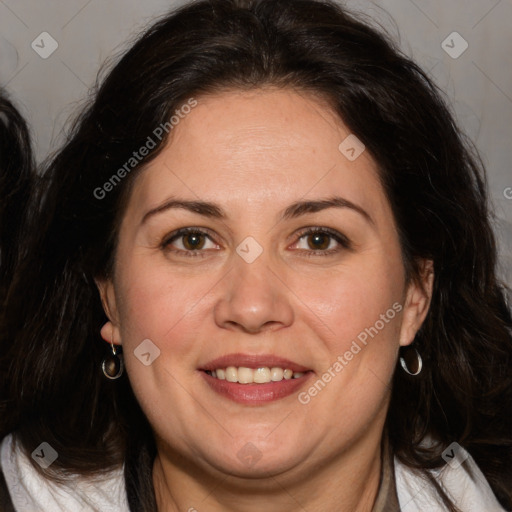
x=113 y=365
x=407 y=360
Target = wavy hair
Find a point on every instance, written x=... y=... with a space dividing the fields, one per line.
x=55 y=390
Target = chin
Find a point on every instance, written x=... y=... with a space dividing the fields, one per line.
x=246 y=460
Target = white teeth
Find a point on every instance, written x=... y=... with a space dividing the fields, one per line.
x=231 y=374
x=261 y=375
x=244 y=375
x=276 y=374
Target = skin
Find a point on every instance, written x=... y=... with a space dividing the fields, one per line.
x=253 y=154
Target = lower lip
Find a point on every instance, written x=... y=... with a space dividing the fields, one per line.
x=255 y=394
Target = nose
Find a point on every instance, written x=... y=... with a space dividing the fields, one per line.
x=254 y=299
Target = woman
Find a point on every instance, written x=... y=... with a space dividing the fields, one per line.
x=271 y=219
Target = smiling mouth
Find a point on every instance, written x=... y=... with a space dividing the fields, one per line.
x=255 y=386
x=254 y=379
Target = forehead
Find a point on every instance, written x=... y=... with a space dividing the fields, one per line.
x=265 y=146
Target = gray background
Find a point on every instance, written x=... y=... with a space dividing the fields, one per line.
x=478 y=83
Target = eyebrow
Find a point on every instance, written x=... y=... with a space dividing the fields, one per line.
x=302 y=207
x=211 y=210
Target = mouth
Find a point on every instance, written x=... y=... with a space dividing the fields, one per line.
x=254 y=380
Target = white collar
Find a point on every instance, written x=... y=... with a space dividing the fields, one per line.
x=469 y=493
x=31 y=492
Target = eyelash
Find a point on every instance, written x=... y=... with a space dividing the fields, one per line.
x=342 y=240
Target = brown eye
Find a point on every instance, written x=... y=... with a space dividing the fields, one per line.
x=193 y=241
x=189 y=242
x=319 y=241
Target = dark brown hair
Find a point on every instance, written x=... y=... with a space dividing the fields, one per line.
x=16 y=171
x=55 y=391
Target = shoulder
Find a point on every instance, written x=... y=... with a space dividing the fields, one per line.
x=31 y=492
x=461 y=478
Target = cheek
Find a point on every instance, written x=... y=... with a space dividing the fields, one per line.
x=161 y=305
x=356 y=301
x=360 y=313
x=164 y=308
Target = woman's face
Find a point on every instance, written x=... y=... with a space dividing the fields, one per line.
x=251 y=174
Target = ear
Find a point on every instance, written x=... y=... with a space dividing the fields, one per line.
x=110 y=332
x=417 y=302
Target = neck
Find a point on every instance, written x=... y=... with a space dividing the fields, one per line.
x=348 y=482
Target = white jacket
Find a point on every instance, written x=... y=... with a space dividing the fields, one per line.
x=30 y=492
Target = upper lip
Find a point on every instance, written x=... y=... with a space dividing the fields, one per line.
x=253 y=361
